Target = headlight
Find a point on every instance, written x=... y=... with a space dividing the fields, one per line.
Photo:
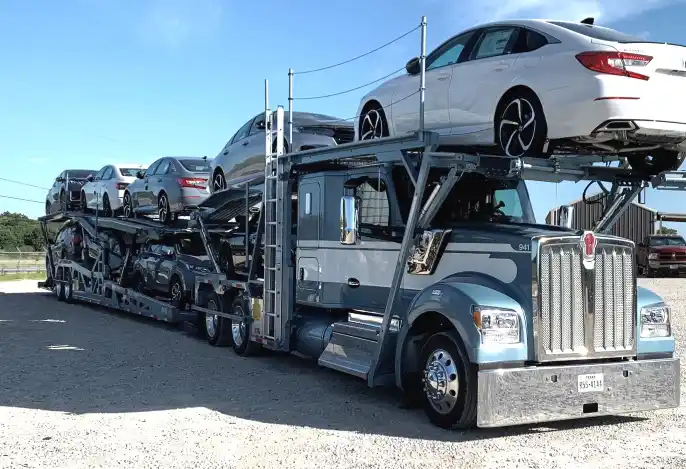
x=655 y=321
x=497 y=326
x=653 y=256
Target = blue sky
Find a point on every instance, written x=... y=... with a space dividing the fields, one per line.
x=85 y=83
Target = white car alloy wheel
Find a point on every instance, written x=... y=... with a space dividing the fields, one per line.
x=163 y=208
x=372 y=125
x=128 y=209
x=218 y=182
x=517 y=129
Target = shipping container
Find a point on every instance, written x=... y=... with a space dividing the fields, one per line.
x=637 y=221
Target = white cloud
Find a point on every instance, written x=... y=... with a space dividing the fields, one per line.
x=174 y=22
x=605 y=11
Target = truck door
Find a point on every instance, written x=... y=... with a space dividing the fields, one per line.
x=307 y=252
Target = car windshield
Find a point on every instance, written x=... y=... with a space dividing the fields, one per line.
x=80 y=173
x=195 y=165
x=667 y=241
x=130 y=172
x=598 y=32
x=191 y=246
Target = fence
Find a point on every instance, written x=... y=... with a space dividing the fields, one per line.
x=18 y=262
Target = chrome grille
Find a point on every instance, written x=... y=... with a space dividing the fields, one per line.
x=582 y=312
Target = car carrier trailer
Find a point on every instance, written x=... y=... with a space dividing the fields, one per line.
x=489 y=323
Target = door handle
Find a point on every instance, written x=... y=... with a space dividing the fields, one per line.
x=245 y=144
x=301 y=274
x=502 y=65
x=443 y=77
x=353 y=283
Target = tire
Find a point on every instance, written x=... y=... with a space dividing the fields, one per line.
x=520 y=125
x=654 y=162
x=59 y=288
x=48 y=271
x=138 y=282
x=106 y=208
x=218 y=181
x=68 y=287
x=83 y=204
x=163 y=209
x=177 y=294
x=128 y=206
x=217 y=329
x=240 y=331
x=373 y=123
x=451 y=403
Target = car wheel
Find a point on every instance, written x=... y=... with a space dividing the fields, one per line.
x=128 y=207
x=218 y=181
x=240 y=331
x=106 y=208
x=177 y=293
x=59 y=286
x=449 y=382
x=653 y=162
x=68 y=287
x=520 y=125
x=217 y=328
x=373 y=123
x=163 y=210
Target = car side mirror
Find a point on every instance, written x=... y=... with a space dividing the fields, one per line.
x=90 y=178
x=59 y=179
x=641 y=245
x=413 y=66
x=350 y=219
x=260 y=125
x=140 y=174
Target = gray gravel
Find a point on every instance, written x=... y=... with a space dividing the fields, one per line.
x=82 y=387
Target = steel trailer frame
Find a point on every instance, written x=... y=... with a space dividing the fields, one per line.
x=72 y=281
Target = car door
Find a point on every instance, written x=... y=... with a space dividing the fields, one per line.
x=104 y=184
x=165 y=266
x=481 y=81
x=56 y=187
x=141 y=195
x=99 y=187
x=238 y=151
x=91 y=188
x=157 y=180
x=440 y=66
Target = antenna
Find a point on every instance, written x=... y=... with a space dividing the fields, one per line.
x=589 y=20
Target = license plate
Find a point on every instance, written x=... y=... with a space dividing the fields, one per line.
x=673 y=267
x=590 y=383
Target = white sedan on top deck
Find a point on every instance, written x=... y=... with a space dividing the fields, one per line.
x=538 y=87
x=105 y=191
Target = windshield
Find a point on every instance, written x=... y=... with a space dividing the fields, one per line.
x=195 y=165
x=598 y=32
x=667 y=241
x=130 y=172
x=191 y=247
x=80 y=173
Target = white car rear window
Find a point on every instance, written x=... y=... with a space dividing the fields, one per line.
x=597 y=32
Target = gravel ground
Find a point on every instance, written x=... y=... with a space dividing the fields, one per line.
x=82 y=387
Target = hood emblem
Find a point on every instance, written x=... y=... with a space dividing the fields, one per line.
x=674 y=255
x=588 y=244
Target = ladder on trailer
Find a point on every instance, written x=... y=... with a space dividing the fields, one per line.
x=277 y=200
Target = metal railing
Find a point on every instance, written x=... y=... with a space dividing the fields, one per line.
x=21 y=262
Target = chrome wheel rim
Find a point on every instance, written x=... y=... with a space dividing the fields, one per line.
x=176 y=291
x=238 y=328
x=441 y=384
x=127 y=206
x=58 y=289
x=517 y=127
x=211 y=320
x=218 y=182
x=372 y=125
x=163 y=208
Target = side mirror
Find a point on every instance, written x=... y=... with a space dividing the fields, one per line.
x=260 y=125
x=90 y=178
x=59 y=179
x=350 y=219
x=566 y=212
x=412 y=66
x=426 y=251
x=641 y=245
x=140 y=174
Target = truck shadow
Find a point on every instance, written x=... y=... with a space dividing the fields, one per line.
x=82 y=360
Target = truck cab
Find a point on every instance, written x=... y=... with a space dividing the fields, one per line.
x=661 y=255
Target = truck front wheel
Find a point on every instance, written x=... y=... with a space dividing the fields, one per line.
x=449 y=382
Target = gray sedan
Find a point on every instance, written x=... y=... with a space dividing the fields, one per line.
x=244 y=153
x=171 y=186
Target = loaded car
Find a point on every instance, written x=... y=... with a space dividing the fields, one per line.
x=170 y=268
x=661 y=255
x=105 y=191
x=65 y=193
x=171 y=186
x=537 y=88
x=243 y=155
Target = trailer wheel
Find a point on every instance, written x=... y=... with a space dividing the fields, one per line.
x=217 y=329
x=240 y=331
x=177 y=293
x=449 y=386
x=59 y=286
x=68 y=287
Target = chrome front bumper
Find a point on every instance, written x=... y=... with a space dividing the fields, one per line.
x=543 y=394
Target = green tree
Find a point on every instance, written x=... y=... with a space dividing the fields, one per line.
x=17 y=231
x=667 y=231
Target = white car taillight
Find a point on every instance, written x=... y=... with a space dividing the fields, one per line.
x=614 y=63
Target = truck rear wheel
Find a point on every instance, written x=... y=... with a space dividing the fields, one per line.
x=240 y=331
x=449 y=386
x=217 y=329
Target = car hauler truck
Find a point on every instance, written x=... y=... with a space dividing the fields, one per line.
x=400 y=264
x=404 y=265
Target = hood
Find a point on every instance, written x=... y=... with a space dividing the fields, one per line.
x=515 y=234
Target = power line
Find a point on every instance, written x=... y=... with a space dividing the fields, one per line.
x=352 y=89
x=19 y=198
x=24 y=184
